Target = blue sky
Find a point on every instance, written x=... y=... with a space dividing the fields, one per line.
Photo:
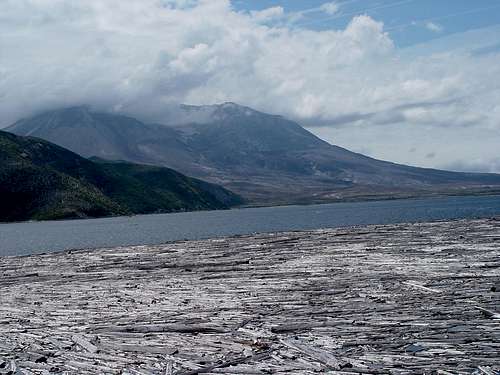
x=407 y=21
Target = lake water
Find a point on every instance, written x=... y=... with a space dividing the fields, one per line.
x=38 y=237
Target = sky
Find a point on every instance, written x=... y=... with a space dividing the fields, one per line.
x=407 y=21
x=410 y=81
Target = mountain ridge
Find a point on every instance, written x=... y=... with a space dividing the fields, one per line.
x=40 y=180
x=267 y=159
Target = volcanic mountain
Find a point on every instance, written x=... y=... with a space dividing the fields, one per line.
x=267 y=159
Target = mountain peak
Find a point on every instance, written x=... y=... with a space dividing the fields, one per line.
x=231 y=105
x=234 y=109
x=54 y=119
x=231 y=110
x=204 y=114
x=75 y=108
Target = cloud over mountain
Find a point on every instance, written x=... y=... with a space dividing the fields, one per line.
x=140 y=57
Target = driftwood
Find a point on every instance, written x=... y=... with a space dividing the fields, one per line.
x=320 y=356
x=398 y=299
x=85 y=344
x=227 y=363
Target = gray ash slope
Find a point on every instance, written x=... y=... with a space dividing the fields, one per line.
x=265 y=158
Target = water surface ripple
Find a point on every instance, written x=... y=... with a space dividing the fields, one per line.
x=48 y=236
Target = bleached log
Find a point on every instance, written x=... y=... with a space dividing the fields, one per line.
x=319 y=355
x=226 y=363
x=489 y=313
x=418 y=286
x=84 y=343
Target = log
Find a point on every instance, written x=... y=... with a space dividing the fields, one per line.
x=84 y=343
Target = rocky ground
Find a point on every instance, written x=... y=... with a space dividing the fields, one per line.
x=395 y=299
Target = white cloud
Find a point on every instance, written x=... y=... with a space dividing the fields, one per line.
x=491 y=165
x=432 y=26
x=330 y=8
x=268 y=14
x=142 y=56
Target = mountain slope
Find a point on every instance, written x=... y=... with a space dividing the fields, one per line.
x=266 y=158
x=39 y=180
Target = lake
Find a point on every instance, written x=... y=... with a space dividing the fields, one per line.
x=49 y=236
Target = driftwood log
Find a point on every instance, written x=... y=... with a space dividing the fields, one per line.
x=395 y=299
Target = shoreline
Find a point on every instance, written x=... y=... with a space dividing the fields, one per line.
x=404 y=298
x=255 y=234
x=361 y=199
x=44 y=237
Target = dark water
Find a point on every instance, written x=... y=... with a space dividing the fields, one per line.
x=37 y=237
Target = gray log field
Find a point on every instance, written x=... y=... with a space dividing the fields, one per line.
x=393 y=299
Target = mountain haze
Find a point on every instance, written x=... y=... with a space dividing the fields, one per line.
x=39 y=180
x=265 y=158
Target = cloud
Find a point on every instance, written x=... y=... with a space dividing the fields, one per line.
x=143 y=57
x=448 y=113
x=330 y=8
x=491 y=165
x=268 y=14
x=485 y=50
x=432 y=26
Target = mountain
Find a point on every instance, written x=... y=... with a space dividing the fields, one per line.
x=39 y=180
x=265 y=158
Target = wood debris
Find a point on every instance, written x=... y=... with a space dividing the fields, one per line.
x=395 y=299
